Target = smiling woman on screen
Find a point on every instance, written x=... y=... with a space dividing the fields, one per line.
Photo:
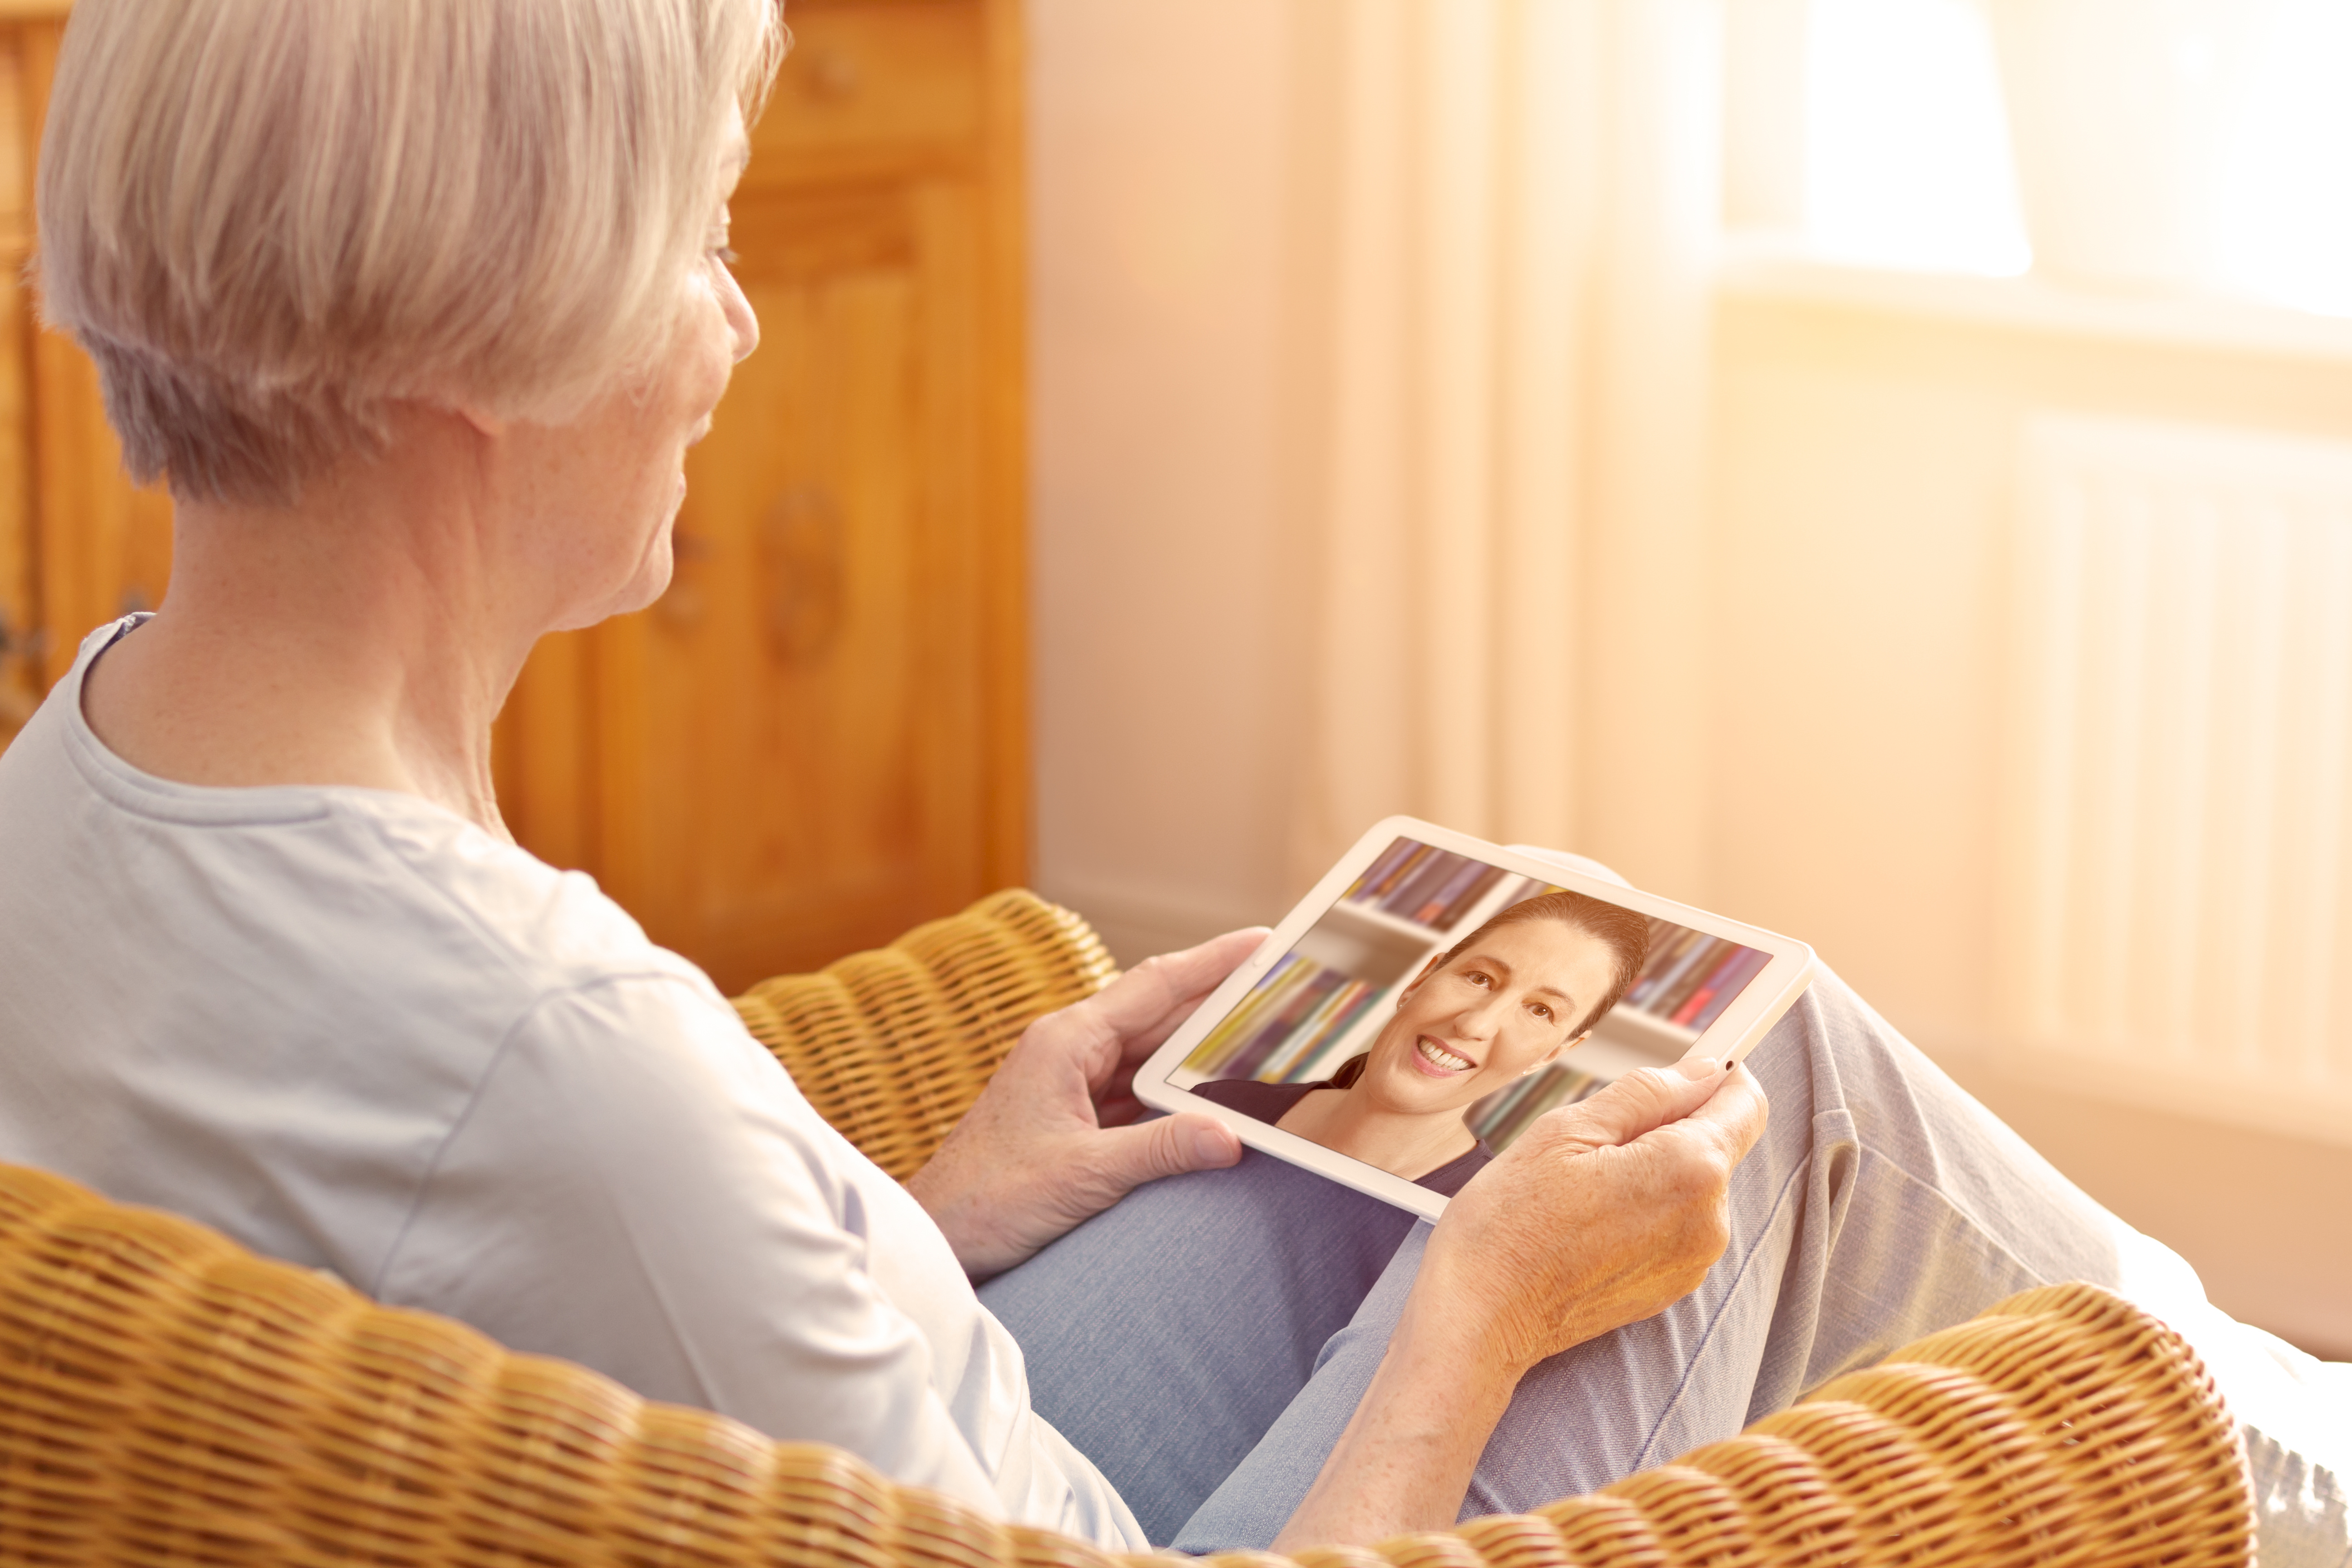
x=1503 y=1002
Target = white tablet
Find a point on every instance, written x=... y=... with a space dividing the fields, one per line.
x=1435 y=994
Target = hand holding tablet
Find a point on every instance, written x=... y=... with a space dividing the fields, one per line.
x=1437 y=1008
x=1434 y=995
x=1601 y=1215
x=1053 y=1139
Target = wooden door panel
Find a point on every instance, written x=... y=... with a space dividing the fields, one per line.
x=106 y=546
x=810 y=681
x=954 y=668
x=873 y=85
x=544 y=753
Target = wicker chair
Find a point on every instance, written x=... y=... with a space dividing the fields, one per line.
x=892 y=1046
x=167 y=1397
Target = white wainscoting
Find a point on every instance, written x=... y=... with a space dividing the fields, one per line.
x=2176 y=885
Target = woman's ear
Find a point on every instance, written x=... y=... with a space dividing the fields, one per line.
x=1426 y=970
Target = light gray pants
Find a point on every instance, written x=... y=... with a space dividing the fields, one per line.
x=1205 y=1340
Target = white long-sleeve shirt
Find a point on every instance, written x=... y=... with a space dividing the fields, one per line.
x=355 y=1032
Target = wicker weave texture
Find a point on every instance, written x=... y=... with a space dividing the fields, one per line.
x=893 y=1046
x=167 y=1399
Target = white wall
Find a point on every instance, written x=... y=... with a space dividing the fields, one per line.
x=1860 y=476
x=1863 y=470
x=1162 y=631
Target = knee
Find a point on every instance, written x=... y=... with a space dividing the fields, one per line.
x=1833 y=1049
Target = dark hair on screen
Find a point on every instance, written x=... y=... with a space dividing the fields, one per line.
x=1626 y=935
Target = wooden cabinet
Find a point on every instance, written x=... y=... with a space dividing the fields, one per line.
x=817 y=737
x=78 y=544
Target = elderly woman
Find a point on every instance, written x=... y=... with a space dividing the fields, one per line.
x=416 y=305
x=1505 y=1001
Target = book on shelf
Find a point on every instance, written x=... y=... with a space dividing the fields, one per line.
x=1504 y=1114
x=1691 y=977
x=1281 y=1026
x=1707 y=1003
x=1381 y=877
x=1423 y=884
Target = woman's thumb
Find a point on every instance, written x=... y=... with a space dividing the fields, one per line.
x=1127 y=1157
x=1652 y=1096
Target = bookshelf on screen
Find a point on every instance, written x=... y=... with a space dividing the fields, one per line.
x=1324 y=1000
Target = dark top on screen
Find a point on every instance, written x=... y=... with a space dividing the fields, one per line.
x=1268 y=1102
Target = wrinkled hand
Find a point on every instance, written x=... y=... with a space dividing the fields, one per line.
x=1598 y=1214
x=1601 y=1213
x=1048 y=1142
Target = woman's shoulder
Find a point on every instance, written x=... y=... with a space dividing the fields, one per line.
x=1266 y=1101
x=545 y=919
x=1455 y=1174
x=291 y=902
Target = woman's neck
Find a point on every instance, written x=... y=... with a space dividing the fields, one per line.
x=1406 y=1145
x=358 y=638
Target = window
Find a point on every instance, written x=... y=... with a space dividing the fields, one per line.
x=1907 y=159
x=2286 y=211
x=2196 y=146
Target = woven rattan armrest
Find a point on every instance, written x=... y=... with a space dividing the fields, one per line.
x=165 y=1397
x=893 y=1046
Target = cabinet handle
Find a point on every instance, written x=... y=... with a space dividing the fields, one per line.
x=802 y=587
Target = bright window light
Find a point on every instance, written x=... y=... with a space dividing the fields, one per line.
x=2286 y=206
x=1906 y=146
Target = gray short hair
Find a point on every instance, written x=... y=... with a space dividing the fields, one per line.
x=267 y=220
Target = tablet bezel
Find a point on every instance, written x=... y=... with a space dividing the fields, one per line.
x=1767 y=997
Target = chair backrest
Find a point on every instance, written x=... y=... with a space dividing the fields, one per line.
x=892 y=1045
x=167 y=1399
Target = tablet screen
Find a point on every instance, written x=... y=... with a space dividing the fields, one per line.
x=1370 y=995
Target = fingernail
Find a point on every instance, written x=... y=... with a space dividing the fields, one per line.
x=1209 y=1146
x=1695 y=1067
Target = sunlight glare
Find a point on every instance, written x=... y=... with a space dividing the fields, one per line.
x=2286 y=194
x=1907 y=154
